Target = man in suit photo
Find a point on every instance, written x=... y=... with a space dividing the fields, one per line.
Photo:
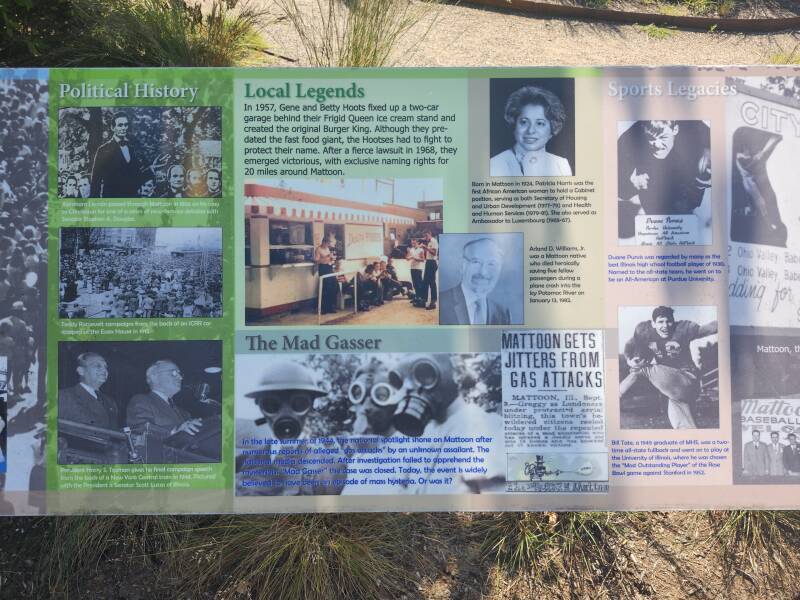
x=791 y=456
x=756 y=456
x=156 y=412
x=470 y=302
x=84 y=402
x=118 y=170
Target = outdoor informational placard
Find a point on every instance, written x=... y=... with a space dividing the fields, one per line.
x=411 y=289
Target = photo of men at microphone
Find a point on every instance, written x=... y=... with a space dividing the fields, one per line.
x=139 y=402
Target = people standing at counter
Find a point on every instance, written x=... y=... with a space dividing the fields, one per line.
x=431 y=247
x=415 y=255
x=324 y=258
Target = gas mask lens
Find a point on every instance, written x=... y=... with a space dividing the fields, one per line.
x=356 y=392
x=425 y=374
x=300 y=403
x=382 y=394
x=271 y=405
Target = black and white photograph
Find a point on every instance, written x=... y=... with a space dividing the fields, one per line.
x=140 y=152
x=755 y=211
x=664 y=183
x=668 y=367
x=532 y=127
x=3 y=413
x=355 y=405
x=481 y=279
x=23 y=277
x=766 y=408
x=139 y=402
x=140 y=273
x=763 y=145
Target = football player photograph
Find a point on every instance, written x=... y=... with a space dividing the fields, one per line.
x=532 y=127
x=481 y=277
x=663 y=168
x=668 y=360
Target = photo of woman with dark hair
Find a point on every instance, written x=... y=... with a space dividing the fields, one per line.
x=535 y=115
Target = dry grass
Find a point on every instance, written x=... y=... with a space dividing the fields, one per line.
x=160 y=33
x=756 y=543
x=295 y=557
x=354 y=33
x=80 y=545
x=669 y=556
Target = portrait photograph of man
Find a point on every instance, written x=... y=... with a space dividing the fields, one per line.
x=668 y=367
x=664 y=169
x=139 y=402
x=139 y=152
x=481 y=278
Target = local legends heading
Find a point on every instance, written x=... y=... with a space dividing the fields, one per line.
x=320 y=94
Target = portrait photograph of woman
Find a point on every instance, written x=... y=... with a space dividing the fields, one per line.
x=532 y=127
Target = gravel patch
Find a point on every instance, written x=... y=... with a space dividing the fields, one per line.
x=459 y=35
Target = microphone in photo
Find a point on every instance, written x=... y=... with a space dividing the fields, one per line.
x=200 y=392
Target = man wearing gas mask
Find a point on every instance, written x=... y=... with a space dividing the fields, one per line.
x=285 y=396
x=427 y=403
x=370 y=397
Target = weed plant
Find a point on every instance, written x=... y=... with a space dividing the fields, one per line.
x=655 y=32
x=758 y=540
x=577 y=544
x=140 y=33
x=300 y=557
x=723 y=8
x=78 y=545
x=354 y=33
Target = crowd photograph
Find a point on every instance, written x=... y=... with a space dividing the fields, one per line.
x=352 y=404
x=140 y=152
x=532 y=127
x=23 y=276
x=139 y=402
x=140 y=273
x=668 y=367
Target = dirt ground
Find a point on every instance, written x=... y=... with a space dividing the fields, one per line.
x=453 y=34
x=653 y=556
